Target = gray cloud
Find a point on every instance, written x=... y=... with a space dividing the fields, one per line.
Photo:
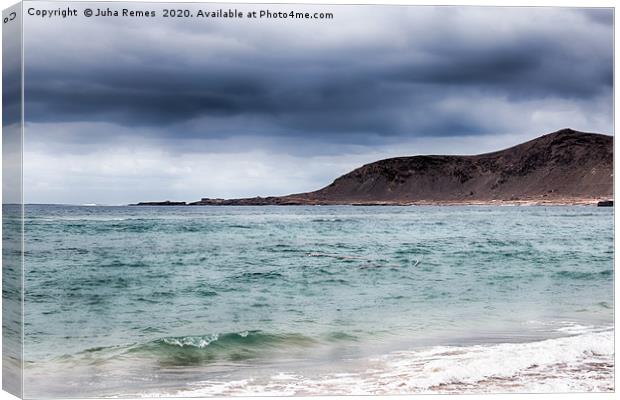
x=296 y=87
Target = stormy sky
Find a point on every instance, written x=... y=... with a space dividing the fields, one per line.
x=124 y=110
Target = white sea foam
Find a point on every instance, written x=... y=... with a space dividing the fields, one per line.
x=200 y=342
x=583 y=362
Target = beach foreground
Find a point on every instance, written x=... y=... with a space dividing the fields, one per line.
x=580 y=363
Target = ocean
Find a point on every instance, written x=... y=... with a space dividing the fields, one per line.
x=317 y=300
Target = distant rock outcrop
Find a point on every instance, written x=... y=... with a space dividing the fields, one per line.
x=561 y=167
x=160 y=203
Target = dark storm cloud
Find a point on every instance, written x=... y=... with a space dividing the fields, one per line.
x=351 y=92
x=526 y=69
x=138 y=95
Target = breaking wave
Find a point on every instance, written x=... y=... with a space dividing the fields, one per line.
x=583 y=362
x=204 y=349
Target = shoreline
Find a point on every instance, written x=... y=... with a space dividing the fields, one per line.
x=269 y=201
x=565 y=167
x=577 y=362
x=576 y=358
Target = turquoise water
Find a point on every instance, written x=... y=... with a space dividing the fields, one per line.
x=178 y=300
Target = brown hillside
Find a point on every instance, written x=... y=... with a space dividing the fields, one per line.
x=561 y=167
x=563 y=164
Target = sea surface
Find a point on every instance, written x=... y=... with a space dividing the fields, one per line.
x=317 y=300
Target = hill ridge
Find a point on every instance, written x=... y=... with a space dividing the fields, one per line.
x=565 y=166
